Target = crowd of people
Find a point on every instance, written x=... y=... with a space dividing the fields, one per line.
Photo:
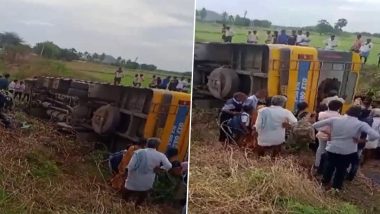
x=143 y=173
x=16 y=88
x=339 y=141
x=300 y=38
x=168 y=83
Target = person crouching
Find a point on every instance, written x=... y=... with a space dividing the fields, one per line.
x=142 y=170
x=239 y=124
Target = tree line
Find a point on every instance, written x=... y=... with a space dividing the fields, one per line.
x=12 y=45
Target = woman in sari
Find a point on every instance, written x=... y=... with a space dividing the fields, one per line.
x=118 y=180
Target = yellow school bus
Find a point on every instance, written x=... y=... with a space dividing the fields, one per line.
x=120 y=115
x=300 y=73
x=169 y=119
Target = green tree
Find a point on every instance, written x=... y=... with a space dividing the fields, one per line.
x=231 y=19
x=47 y=49
x=340 y=24
x=225 y=17
x=102 y=56
x=9 y=38
x=324 y=26
x=95 y=57
x=203 y=14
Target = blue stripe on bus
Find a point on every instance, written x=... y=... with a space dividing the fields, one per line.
x=303 y=71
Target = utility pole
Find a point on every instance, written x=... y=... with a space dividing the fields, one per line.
x=42 y=51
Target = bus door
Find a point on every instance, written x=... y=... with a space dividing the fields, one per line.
x=335 y=74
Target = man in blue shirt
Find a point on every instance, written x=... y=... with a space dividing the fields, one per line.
x=4 y=82
x=282 y=38
x=342 y=147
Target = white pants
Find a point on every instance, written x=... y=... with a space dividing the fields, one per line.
x=321 y=149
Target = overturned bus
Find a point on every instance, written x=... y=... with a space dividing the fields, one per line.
x=119 y=115
x=300 y=73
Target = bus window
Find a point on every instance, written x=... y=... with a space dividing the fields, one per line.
x=350 y=87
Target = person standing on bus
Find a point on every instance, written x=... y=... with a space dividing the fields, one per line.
x=283 y=38
x=365 y=49
x=357 y=44
x=252 y=37
x=269 y=37
x=292 y=38
x=306 y=39
x=331 y=43
x=274 y=37
x=229 y=35
x=118 y=76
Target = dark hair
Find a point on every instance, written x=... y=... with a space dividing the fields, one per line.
x=153 y=142
x=171 y=152
x=154 y=75
x=302 y=106
x=247 y=108
x=268 y=101
x=15 y=80
x=6 y=76
x=254 y=31
x=367 y=100
x=176 y=164
x=136 y=75
x=335 y=105
x=332 y=93
x=322 y=107
x=249 y=31
x=354 y=111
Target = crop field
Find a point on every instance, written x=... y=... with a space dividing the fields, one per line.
x=211 y=32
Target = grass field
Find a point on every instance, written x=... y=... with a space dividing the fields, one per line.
x=211 y=32
x=80 y=70
x=227 y=179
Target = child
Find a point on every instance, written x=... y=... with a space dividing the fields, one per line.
x=240 y=122
x=19 y=90
x=136 y=81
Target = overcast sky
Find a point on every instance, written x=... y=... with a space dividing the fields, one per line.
x=158 y=32
x=362 y=15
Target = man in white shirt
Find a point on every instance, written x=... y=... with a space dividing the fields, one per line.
x=300 y=37
x=331 y=43
x=270 y=125
x=229 y=35
x=252 y=37
x=365 y=49
x=118 y=76
x=141 y=170
x=12 y=86
x=181 y=84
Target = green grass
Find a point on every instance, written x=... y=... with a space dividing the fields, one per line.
x=80 y=70
x=211 y=32
x=41 y=166
x=296 y=207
